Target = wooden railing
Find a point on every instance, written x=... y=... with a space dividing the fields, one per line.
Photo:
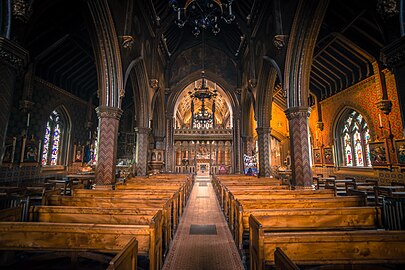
x=394 y=213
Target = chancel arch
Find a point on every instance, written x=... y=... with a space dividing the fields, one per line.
x=203 y=128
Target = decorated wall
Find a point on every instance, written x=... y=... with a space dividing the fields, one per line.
x=361 y=97
x=278 y=122
x=46 y=97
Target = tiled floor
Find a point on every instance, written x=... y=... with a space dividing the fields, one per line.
x=210 y=245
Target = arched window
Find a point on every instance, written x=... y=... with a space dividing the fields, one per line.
x=54 y=139
x=353 y=138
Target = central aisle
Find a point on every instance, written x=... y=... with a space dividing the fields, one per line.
x=203 y=240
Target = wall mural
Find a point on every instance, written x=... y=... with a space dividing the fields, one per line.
x=400 y=152
x=379 y=154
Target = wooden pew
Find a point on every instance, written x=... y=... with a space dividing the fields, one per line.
x=316 y=219
x=229 y=204
x=247 y=207
x=169 y=217
x=381 y=191
x=148 y=187
x=327 y=247
x=224 y=190
x=221 y=182
x=153 y=222
x=344 y=218
x=99 y=215
x=177 y=199
x=31 y=236
x=11 y=214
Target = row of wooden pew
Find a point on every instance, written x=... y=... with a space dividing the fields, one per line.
x=136 y=221
x=312 y=227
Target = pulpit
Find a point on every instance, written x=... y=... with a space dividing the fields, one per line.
x=156 y=161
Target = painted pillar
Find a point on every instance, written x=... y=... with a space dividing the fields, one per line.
x=169 y=143
x=141 y=155
x=299 y=145
x=264 y=140
x=12 y=59
x=108 y=124
x=237 y=146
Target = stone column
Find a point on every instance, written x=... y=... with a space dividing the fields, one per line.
x=299 y=145
x=210 y=156
x=108 y=124
x=188 y=153
x=394 y=57
x=169 y=143
x=237 y=146
x=264 y=140
x=141 y=155
x=12 y=59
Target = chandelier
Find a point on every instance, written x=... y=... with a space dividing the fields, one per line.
x=203 y=116
x=203 y=14
x=203 y=92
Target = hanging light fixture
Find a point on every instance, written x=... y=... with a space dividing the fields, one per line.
x=202 y=92
x=203 y=14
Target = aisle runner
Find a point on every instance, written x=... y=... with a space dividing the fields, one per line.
x=203 y=240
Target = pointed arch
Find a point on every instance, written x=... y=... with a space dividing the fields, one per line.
x=352 y=132
x=158 y=117
x=108 y=55
x=140 y=86
x=265 y=95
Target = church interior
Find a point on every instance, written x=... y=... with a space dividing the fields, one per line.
x=202 y=134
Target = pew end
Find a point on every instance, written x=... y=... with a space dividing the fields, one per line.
x=282 y=262
x=127 y=258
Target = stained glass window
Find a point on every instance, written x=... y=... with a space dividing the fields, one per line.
x=46 y=144
x=52 y=139
x=348 y=150
x=355 y=136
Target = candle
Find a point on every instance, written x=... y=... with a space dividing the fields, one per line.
x=215 y=86
x=28 y=119
x=316 y=134
x=379 y=118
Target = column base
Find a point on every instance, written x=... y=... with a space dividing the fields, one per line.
x=302 y=188
x=103 y=187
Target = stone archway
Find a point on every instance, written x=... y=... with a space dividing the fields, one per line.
x=296 y=78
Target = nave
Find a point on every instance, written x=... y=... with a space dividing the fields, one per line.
x=203 y=240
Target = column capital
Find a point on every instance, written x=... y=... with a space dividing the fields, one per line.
x=298 y=112
x=12 y=54
x=142 y=130
x=108 y=112
x=263 y=130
